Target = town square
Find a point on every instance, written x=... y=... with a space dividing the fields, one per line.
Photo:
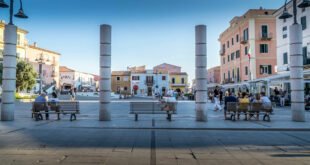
x=155 y=82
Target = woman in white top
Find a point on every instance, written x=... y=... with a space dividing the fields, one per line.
x=54 y=98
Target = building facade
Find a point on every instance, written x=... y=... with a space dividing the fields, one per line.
x=149 y=83
x=283 y=35
x=254 y=34
x=179 y=81
x=214 y=75
x=70 y=79
x=121 y=82
x=31 y=54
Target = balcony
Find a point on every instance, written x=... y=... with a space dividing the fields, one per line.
x=266 y=36
x=244 y=40
x=149 y=82
x=222 y=52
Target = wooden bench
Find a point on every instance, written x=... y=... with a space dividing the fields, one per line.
x=151 y=108
x=60 y=107
x=249 y=108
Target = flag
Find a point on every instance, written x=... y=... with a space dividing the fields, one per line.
x=249 y=51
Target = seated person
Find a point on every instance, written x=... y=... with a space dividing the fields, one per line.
x=265 y=100
x=40 y=104
x=53 y=105
x=244 y=99
x=170 y=103
x=256 y=100
x=229 y=99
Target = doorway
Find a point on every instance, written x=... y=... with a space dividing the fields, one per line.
x=149 y=91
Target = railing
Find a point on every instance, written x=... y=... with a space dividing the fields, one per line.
x=149 y=82
x=266 y=36
x=243 y=40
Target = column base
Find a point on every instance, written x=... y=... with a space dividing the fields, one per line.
x=298 y=112
x=104 y=113
x=7 y=112
x=201 y=112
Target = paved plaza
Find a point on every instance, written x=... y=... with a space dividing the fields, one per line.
x=153 y=139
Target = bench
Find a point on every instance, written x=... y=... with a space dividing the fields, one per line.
x=151 y=108
x=60 y=107
x=249 y=108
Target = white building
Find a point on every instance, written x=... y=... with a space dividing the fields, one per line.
x=283 y=35
x=70 y=78
x=148 y=82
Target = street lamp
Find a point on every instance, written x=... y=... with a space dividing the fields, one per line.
x=41 y=61
x=296 y=65
x=9 y=63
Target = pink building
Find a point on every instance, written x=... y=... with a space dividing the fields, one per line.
x=168 y=67
x=214 y=75
x=253 y=33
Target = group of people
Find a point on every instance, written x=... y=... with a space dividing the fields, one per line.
x=245 y=98
x=42 y=98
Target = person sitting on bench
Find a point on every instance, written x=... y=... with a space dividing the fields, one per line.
x=40 y=104
x=53 y=104
x=170 y=103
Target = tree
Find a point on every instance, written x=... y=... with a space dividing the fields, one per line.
x=25 y=76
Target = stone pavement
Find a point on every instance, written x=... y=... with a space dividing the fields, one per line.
x=153 y=139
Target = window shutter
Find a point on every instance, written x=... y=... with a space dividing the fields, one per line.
x=261 y=69
x=266 y=48
x=269 y=69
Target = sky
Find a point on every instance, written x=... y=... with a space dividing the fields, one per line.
x=144 y=32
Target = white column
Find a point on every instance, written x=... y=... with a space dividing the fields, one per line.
x=9 y=73
x=201 y=75
x=296 y=73
x=105 y=73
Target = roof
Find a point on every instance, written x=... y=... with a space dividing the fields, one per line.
x=120 y=73
x=65 y=69
x=41 y=49
x=214 y=68
x=165 y=64
x=177 y=73
x=2 y=23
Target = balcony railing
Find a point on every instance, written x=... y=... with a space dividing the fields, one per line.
x=149 y=82
x=266 y=36
x=244 y=40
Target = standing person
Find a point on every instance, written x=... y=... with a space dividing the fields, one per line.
x=216 y=91
x=230 y=99
x=282 y=98
x=72 y=94
x=40 y=104
x=170 y=104
x=217 y=104
x=244 y=99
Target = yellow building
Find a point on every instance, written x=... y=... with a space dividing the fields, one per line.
x=178 y=81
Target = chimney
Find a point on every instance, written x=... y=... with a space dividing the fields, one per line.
x=35 y=44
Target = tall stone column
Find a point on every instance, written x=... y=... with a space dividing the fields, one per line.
x=201 y=72
x=296 y=73
x=9 y=73
x=105 y=73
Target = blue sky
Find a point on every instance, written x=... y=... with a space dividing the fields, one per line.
x=144 y=32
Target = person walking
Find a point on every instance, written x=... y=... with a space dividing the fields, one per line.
x=217 y=103
x=72 y=94
x=170 y=104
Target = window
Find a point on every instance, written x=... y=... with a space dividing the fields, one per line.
x=173 y=80
x=233 y=73
x=237 y=38
x=232 y=41
x=135 y=78
x=238 y=54
x=125 y=78
x=183 y=80
x=246 y=51
x=224 y=76
x=227 y=44
x=118 y=79
x=163 y=78
x=303 y=21
x=246 y=34
x=263 y=48
x=264 y=31
x=18 y=39
x=265 y=69
x=238 y=74
x=306 y=61
x=228 y=58
x=223 y=60
x=125 y=88
x=229 y=74
x=285 y=59
x=284 y=32
x=232 y=56
x=246 y=70
x=223 y=48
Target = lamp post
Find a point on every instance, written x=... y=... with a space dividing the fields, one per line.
x=41 y=61
x=9 y=63
x=296 y=62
